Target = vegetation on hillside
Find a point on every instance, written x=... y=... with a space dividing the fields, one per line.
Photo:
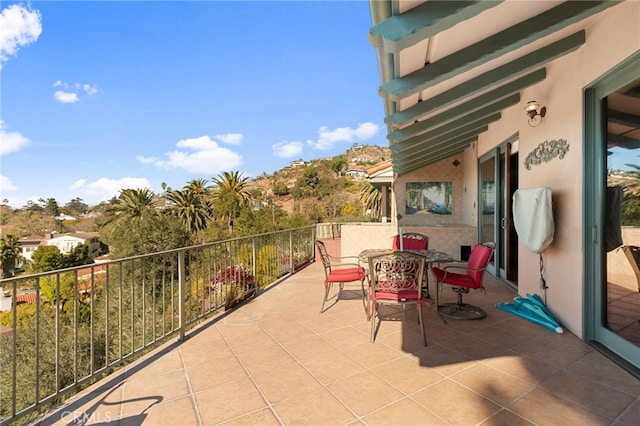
x=141 y=221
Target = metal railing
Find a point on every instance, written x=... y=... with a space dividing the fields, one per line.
x=88 y=320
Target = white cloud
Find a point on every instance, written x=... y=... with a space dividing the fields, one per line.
x=20 y=26
x=6 y=185
x=66 y=97
x=201 y=155
x=70 y=93
x=91 y=89
x=104 y=189
x=146 y=160
x=230 y=138
x=286 y=149
x=328 y=138
x=10 y=141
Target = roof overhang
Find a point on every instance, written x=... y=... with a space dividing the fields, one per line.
x=448 y=68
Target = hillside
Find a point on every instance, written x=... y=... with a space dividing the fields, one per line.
x=358 y=159
x=323 y=195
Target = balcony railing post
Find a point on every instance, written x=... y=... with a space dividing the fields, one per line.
x=181 y=295
x=291 y=269
x=254 y=257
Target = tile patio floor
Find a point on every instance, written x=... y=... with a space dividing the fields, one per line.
x=277 y=361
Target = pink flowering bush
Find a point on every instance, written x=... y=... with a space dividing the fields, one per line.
x=233 y=282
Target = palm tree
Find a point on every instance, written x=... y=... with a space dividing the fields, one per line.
x=191 y=207
x=9 y=253
x=371 y=198
x=230 y=194
x=199 y=186
x=134 y=204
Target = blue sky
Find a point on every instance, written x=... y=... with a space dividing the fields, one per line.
x=101 y=96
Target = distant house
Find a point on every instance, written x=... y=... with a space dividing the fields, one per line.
x=360 y=160
x=355 y=173
x=296 y=163
x=29 y=245
x=67 y=242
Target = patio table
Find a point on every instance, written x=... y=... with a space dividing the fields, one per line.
x=431 y=256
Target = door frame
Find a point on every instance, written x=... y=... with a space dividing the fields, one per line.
x=594 y=209
x=503 y=226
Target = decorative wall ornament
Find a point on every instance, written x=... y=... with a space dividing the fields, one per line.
x=547 y=151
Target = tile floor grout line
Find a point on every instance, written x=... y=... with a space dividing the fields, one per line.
x=194 y=402
x=249 y=375
x=323 y=385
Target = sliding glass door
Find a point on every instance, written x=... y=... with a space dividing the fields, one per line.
x=498 y=179
x=612 y=213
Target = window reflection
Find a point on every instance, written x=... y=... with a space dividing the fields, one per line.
x=622 y=213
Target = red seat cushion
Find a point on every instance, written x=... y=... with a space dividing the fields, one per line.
x=455 y=279
x=346 y=275
x=401 y=295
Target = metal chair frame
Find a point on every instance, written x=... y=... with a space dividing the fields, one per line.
x=476 y=275
x=414 y=237
x=396 y=279
x=339 y=272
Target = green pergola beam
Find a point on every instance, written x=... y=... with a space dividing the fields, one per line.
x=428 y=150
x=452 y=130
x=492 y=47
x=493 y=77
x=452 y=118
x=431 y=151
x=435 y=156
x=411 y=114
x=423 y=21
x=403 y=169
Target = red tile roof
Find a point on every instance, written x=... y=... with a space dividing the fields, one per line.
x=28 y=298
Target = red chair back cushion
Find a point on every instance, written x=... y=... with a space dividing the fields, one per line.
x=410 y=244
x=479 y=258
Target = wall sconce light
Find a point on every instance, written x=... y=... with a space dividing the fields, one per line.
x=535 y=113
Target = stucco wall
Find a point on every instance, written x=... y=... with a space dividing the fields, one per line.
x=360 y=236
x=612 y=36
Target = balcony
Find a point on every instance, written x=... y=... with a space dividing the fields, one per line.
x=276 y=360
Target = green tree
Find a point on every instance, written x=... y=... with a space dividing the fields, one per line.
x=148 y=233
x=133 y=204
x=279 y=188
x=58 y=293
x=198 y=186
x=46 y=258
x=78 y=256
x=338 y=163
x=9 y=254
x=191 y=207
x=230 y=194
x=51 y=207
x=76 y=206
x=32 y=206
x=306 y=184
x=371 y=199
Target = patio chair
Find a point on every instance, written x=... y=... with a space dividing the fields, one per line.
x=395 y=279
x=338 y=272
x=411 y=241
x=414 y=241
x=469 y=276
